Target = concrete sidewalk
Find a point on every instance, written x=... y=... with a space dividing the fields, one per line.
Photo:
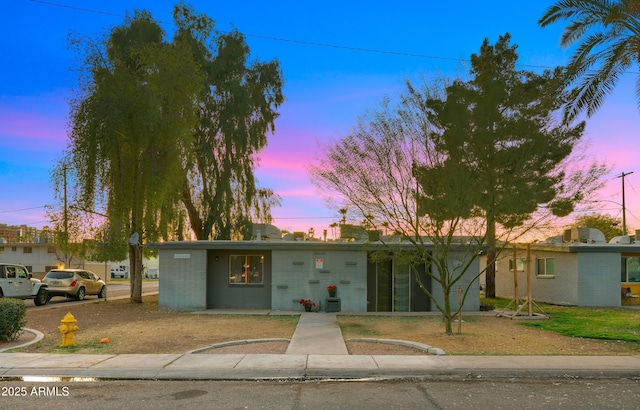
x=299 y=366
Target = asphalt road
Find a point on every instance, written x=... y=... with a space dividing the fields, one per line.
x=114 y=290
x=450 y=394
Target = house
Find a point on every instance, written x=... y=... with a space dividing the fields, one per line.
x=40 y=257
x=578 y=268
x=276 y=273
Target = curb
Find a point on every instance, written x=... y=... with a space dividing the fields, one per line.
x=39 y=337
x=236 y=343
x=415 y=345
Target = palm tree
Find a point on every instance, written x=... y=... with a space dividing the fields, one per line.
x=609 y=31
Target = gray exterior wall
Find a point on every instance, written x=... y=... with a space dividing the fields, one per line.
x=222 y=294
x=599 y=283
x=194 y=276
x=472 y=301
x=183 y=285
x=295 y=276
x=562 y=287
x=584 y=275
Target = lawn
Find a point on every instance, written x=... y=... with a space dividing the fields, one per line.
x=594 y=323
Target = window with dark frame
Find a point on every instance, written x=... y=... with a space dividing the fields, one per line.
x=630 y=269
x=545 y=267
x=246 y=269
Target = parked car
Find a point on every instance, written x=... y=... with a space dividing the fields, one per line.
x=16 y=282
x=119 y=272
x=74 y=283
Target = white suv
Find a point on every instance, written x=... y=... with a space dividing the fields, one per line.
x=16 y=282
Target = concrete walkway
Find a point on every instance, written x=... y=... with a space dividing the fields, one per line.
x=317 y=333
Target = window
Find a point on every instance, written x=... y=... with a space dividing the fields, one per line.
x=27 y=249
x=22 y=272
x=545 y=267
x=630 y=269
x=51 y=249
x=246 y=269
x=519 y=264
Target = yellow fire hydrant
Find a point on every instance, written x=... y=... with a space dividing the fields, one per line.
x=68 y=329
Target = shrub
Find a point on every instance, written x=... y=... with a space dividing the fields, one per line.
x=12 y=318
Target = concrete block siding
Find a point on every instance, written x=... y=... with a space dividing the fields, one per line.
x=599 y=283
x=306 y=274
x=584 y=274
x=195 y=275
x=183 y=286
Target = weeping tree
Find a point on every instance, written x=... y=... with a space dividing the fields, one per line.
x=131 y=122
x=236 y=109
x=165 y=134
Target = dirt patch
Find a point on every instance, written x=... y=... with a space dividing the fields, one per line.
x=141 y=328
x=481 y=335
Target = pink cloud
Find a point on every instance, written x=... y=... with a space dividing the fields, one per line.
x=41 y=120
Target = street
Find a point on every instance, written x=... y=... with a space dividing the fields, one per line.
x=445 y=394
x=114 y=290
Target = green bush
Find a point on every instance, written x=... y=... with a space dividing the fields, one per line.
x=12 y=318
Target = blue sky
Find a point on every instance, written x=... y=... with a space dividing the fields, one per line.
x=338 y=59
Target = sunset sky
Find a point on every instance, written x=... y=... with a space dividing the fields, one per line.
x=338 y=59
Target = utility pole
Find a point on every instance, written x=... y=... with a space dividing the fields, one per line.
x=65 y=221
x=624 y=209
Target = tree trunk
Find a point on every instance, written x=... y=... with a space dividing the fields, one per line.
x=490 y=272
x=448 y=322
x=194 y=216
x=135 y=264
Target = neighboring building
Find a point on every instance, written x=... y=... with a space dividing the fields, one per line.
x=40 y=258
x=17 y=233
x=29 y=247
x=275 y=274
x=579 y=269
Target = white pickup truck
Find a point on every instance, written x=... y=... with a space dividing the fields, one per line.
x=119 y=272
x=16 y=282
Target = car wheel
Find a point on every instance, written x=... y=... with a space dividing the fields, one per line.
x=41 y=298
x=80 y=294
x=103 y=293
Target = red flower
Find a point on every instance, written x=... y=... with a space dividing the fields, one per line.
x=307 y=302
x=331 y=288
